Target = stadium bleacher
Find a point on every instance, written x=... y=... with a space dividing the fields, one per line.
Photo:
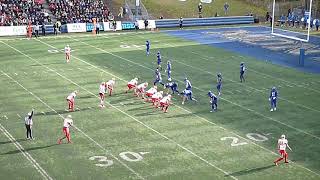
x=18 y=12
x=78 y=11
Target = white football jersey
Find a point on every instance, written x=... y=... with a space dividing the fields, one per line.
x=157 y=95
x=166 y=99
x=133 y=82
x=67 y=49
x=67 y=122
x=102 y=89
x=152 y=90
x=111 y=83
x=141 y=86
x=71 y=96
x=282 y=143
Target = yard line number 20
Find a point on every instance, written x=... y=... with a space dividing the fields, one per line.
x=253 y=136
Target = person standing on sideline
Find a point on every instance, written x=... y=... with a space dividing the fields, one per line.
x=181 y=23
x=226 y=8
x=43 y=28
x=29 y=122
x=36 y=30
x=66 y=131
x=98 y=28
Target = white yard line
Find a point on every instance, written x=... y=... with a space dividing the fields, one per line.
x=104 y=149
x=33 y=162
x=123 y=112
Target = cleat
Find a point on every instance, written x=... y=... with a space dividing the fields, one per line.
x=59 y=141
x=275 y=163
x=211 y=111
x=275 y=109
x=271 y=110
x=286 y=162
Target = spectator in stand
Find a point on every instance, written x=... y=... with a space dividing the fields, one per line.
x=200 y=9
x=267 y=16
x=226 y=8
x=19 y=12
x=316 y=22
x=78 y=11
x=120 y=12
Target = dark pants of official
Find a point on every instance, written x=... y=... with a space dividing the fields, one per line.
x=97 y=31
x=29 y=131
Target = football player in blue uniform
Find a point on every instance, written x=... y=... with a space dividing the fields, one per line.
x=242 y=71
x=173 y=86
x=187 y=94
x=188 y=84
x=158 y=78
x=213 y=101
x=219 y=83
x=168 y=70
x=147 y=47
x=273 y=99
x=159 y=60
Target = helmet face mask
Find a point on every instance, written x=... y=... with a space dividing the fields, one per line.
x=283 y=136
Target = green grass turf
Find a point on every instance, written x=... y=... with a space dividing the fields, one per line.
x=185 y=143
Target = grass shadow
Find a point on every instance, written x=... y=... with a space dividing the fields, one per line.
x=29 y=149
x=7 y=142
x=250 y=171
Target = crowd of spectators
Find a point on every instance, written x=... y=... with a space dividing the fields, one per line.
x=297 y=19
x=78 y=11
x=19 y=12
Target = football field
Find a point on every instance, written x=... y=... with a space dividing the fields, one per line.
x=130 y=139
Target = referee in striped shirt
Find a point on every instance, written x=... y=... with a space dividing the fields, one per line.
x=29 y=122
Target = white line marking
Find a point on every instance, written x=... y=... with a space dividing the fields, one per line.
x=5 y=117
x=25 y=73
x=140 y=122
x=43 y=113
x=107 y=152
x=19 y=115
x=16 y=74
x=176 y=105
x=25 y=153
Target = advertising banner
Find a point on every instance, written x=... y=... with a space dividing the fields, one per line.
x=77 y=27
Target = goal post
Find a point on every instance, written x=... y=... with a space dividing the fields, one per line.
x=287 y=32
